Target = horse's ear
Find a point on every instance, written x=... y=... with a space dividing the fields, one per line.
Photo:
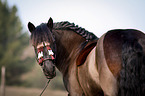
x=50 y=23
x=31 y=27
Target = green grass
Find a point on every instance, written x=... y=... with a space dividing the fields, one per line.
x=21 y=91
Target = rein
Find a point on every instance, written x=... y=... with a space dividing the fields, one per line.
x=44 y=87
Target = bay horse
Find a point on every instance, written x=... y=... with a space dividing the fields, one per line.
x=112 y=65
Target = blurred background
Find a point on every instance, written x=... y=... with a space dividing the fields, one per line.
x=24 y=76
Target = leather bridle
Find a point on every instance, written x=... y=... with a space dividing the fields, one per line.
x=40 y=54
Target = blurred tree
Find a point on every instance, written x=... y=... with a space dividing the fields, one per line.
x=13 y=41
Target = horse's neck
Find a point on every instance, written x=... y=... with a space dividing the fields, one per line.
x=68 y=46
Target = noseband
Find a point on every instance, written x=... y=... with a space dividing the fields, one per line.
x=40 y=52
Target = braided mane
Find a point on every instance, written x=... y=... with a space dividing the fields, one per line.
x=71 y=26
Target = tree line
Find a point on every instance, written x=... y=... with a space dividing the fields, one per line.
x=13 y=41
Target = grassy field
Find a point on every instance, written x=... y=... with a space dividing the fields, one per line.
x=21 y=91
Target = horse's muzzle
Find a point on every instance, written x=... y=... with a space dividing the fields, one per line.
x=49 y=70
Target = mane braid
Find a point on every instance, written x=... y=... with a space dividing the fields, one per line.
x=89 y=36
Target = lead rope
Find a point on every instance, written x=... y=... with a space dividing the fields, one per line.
x=45 y=87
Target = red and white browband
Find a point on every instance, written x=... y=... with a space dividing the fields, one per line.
x=40 y=54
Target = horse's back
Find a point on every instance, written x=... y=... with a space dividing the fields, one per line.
x=109 y=56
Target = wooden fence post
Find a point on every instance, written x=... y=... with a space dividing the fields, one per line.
x=3 y=81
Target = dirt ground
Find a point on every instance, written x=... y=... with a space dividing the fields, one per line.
x=20 y=91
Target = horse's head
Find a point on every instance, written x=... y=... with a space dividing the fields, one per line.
x=44 y=44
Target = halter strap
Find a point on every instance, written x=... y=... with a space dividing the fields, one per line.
x=39 y=53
